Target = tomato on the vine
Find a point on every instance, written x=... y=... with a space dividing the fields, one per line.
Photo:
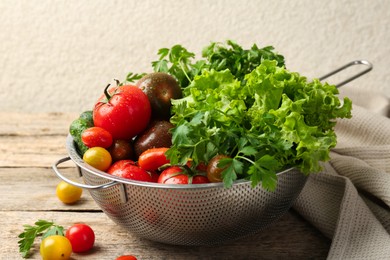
x=129 y=170
x=153 y=158
x=96 y=136
x=81 y=236
x=98 y=157
x=55 y=247
x=68 y=193
x=124 y=111
x=178 y=175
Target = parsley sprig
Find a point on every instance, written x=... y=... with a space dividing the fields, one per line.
x=42 y=228
x=183 y=65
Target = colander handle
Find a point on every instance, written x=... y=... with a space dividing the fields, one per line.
x=80 y=185
x=350 y=64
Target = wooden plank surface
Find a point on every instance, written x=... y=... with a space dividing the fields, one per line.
x=30 y=143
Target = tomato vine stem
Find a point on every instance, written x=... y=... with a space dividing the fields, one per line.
x=106 y=93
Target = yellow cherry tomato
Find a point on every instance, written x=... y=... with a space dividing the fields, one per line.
x=67 y=193
x=98 y=158
x=55 y=247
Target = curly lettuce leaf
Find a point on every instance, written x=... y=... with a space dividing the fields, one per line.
x=272 y=120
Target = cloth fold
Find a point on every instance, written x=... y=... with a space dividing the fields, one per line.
x=349 y=201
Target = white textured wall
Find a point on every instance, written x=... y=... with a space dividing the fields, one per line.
x=59 y=55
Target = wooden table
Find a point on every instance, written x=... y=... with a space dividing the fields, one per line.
x=30 y=143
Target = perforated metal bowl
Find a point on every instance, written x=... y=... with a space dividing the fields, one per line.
x=196 y=214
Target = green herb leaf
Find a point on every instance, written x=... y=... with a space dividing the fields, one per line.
x=181 y=63
x=271 y=120
x=131 y=77
x=41 y=227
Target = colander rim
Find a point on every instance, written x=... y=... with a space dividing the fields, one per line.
x=75 y=157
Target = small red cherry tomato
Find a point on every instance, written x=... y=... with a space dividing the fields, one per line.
x=81 y=236
x=173 y=175
x=128 y=170
x=199 y=179
x=126 y=257
x=178 y=175
x=96 y=136
x=153 y=158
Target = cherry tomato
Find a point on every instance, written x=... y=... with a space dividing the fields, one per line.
x=178 y=175
x=126 y=257
x=214 y=173
x=124 y=113
x=68 y=193
x=121 y=150
x=55 y=247
x=129 y=170
x=81 y=236
x=98 y=157
x=96 y=136
x=153 y=158
x=199 y=179
x=173 y=175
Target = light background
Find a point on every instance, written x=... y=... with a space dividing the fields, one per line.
x=58 y=55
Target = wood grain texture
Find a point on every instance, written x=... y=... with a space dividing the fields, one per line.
x=29 y=145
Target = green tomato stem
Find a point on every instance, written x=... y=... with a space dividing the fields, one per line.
x=106 y=93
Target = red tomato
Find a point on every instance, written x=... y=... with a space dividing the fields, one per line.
x=126 y=257
x=173 y=175
x=96 y=137
x=199 y=179
x=81 y=236
x=177 y=175
x=127 y=169
x=153 y=158
x=125 y=113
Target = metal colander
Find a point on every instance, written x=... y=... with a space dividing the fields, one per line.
x=194 y=214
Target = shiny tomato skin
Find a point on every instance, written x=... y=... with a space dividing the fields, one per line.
x=177 y=175
x=200 y=179
x=68 y=193
x=98 y=157
x=214 y=173
x=129 y=170
x=55 y=247
x=96 y=136
x=173 y=175
x=153 y=158
x=121 y=150
x=125 y=114
x=126 y=257
x=81 y=236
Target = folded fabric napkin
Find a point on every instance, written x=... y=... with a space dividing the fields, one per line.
x=349 y=201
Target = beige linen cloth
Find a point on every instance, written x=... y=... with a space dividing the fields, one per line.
x=349 y=201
